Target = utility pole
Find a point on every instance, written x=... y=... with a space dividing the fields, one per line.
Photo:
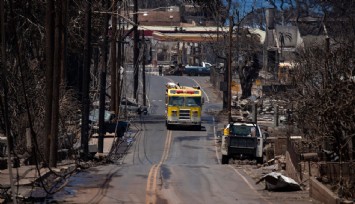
x=64 y=40
x=135 y=50
x=103 y=85
x=113 y=56
x=229 y=101
x=327 y=52
x=224 y=84
x=56 y=83
x=86 y=83
x=120 y=52
x=143 y=68
x=325 y=81
x=49 y=55
x=118 y=67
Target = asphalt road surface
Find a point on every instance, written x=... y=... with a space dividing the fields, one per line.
x=168 y=166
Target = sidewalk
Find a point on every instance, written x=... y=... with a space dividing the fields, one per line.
x=26 y=176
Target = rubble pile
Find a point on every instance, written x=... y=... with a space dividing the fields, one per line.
x=242 y=109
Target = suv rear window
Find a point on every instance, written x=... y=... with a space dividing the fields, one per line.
x=244 y=130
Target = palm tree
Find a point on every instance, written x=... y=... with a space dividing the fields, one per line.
x=282 y=37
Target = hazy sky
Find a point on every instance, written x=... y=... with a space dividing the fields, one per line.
x=246 y=5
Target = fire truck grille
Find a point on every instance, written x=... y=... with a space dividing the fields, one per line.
x=184 y=114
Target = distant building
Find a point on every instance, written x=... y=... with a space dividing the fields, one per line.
x=280 y=45
x=282 y=41
x=169 y=16
x=195 y=15
x=176 y=33
x=186 y=15
x=180 y=34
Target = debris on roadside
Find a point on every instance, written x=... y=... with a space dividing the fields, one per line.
x=278 y=161
x=243 y=162
x=275 y=181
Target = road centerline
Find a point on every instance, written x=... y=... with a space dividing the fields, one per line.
x=151 y=189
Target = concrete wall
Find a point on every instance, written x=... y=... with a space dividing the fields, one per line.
x=291 y=169
x=321 y=193
x=317 y=190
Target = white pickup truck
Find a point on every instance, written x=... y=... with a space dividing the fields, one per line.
x=242 y=140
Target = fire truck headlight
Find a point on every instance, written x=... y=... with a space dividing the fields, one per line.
x=194 y=114
x=174 y=113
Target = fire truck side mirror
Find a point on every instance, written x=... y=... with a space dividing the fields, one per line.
x=226 y=131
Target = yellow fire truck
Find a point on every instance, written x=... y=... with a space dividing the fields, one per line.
x=183 y=106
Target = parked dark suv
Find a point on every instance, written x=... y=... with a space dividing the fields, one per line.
x=110 y=122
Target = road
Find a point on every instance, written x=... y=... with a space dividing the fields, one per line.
x=168 y=166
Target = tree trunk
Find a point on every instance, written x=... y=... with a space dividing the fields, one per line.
x=86 y=83
x=246 y=88
x=5 y=110
x=245 y=82
x=56 y=84
x=247 y=75
x=49 y=54
x=96 y=59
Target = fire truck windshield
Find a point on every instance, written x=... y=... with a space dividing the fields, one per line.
x=184 y=101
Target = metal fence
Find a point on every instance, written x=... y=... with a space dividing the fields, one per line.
x=336 y=171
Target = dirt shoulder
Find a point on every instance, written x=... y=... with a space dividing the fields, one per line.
x=249 y=167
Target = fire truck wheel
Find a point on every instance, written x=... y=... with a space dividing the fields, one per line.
x=198 y=127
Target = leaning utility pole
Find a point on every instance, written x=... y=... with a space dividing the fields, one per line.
x=135 y=50
x=86 y=84
x=103 y=84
